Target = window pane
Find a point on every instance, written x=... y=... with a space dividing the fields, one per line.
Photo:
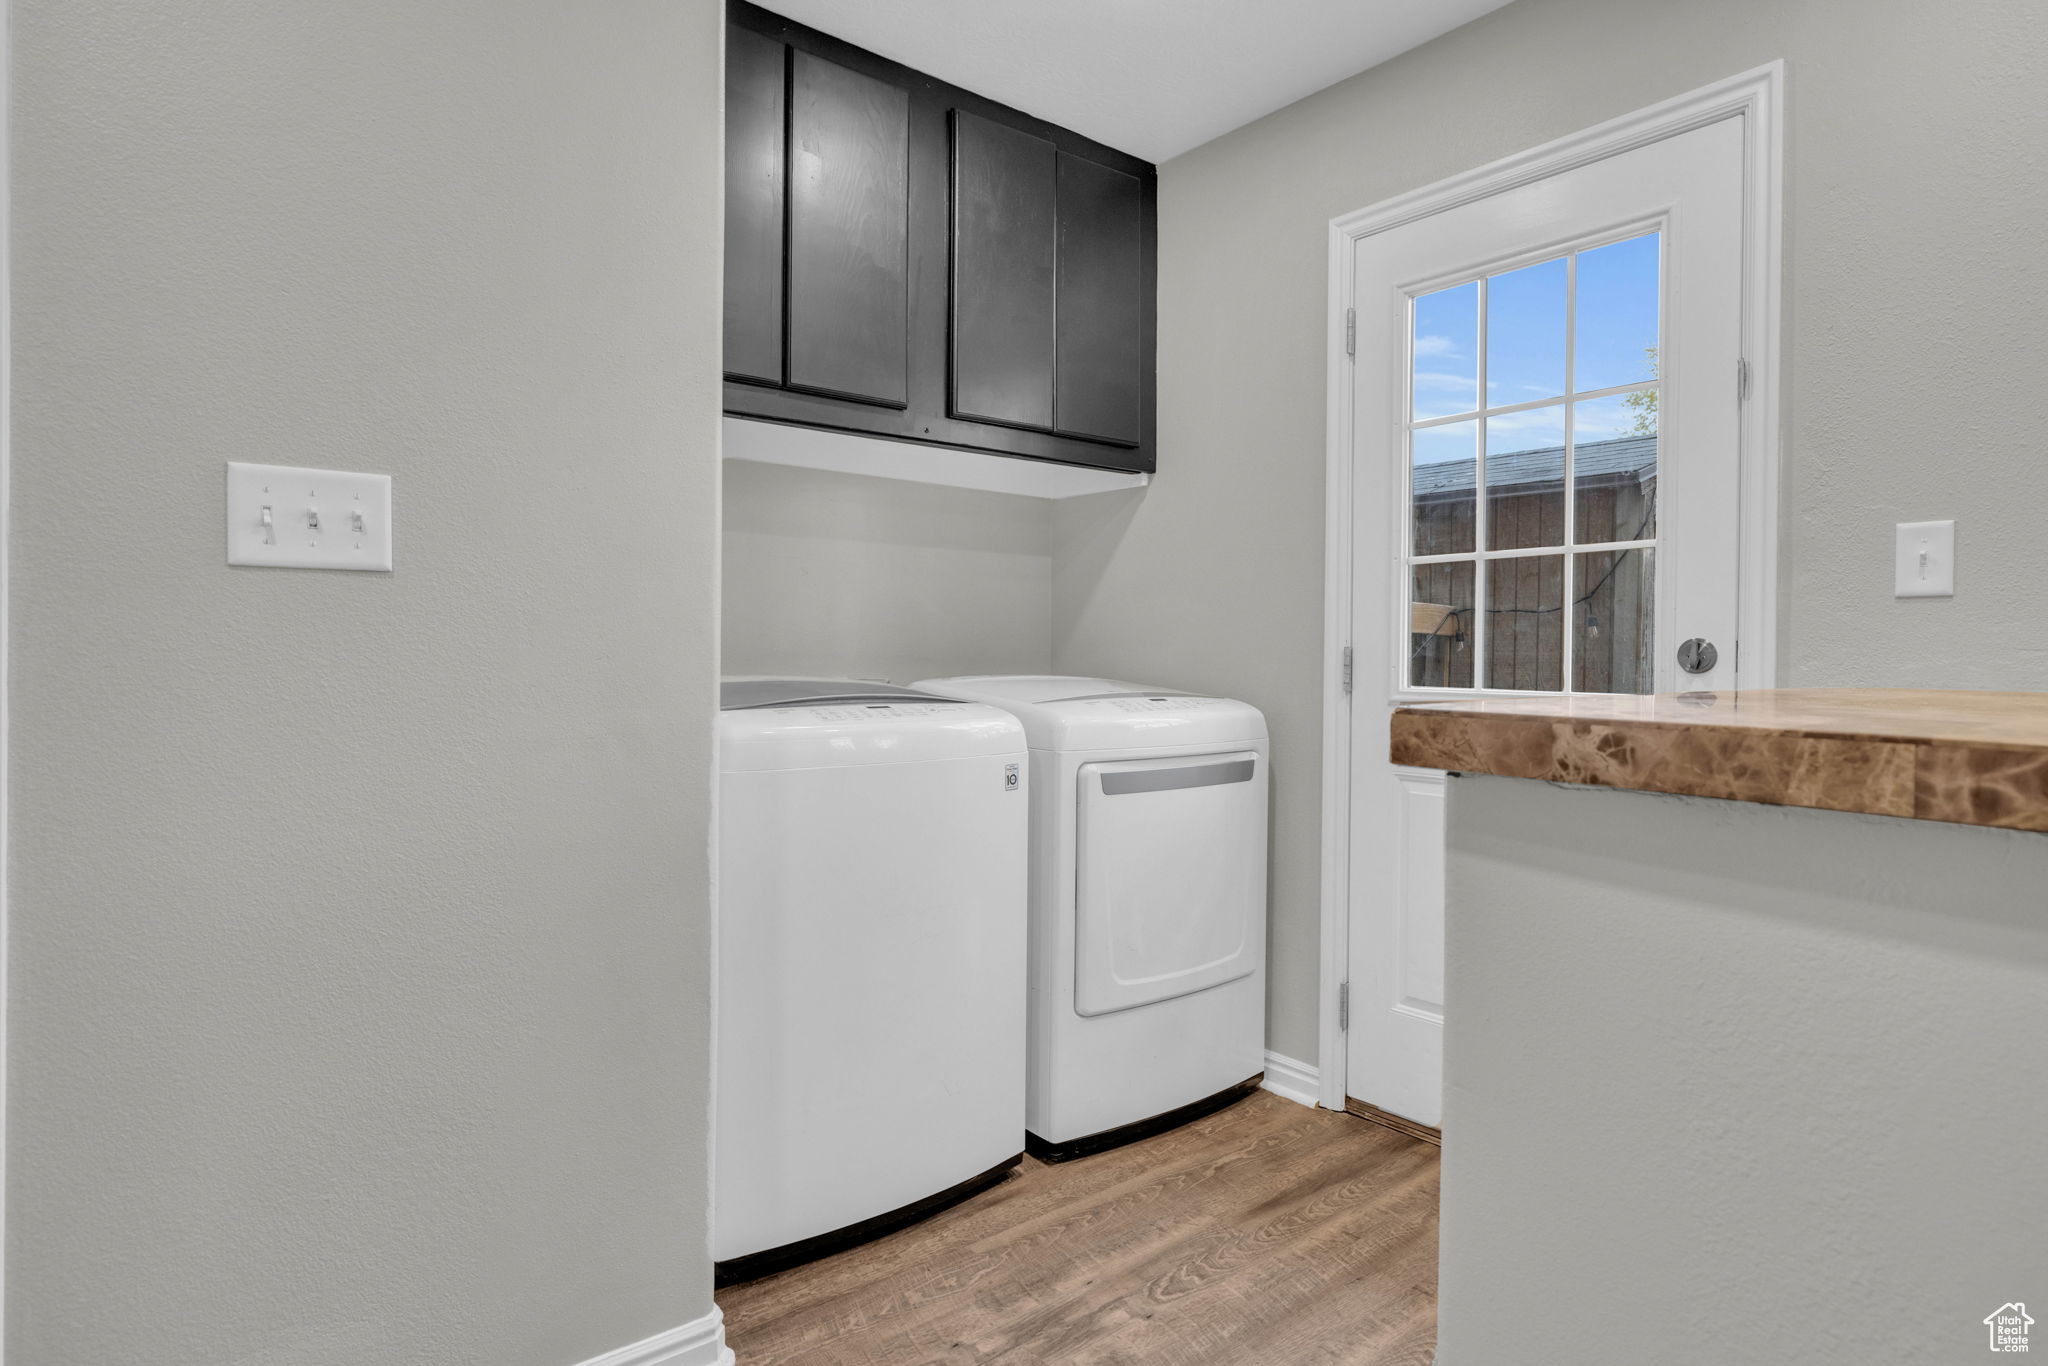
x=1614 y=620
x=1614 y=468
x=1525 y=623
x=1447 y=352
x=1441 y=484
x=1440 y=635
x=1525 y=479
x=1617 y=315
x=1525 y=334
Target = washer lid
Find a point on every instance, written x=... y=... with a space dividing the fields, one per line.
x=746 y=694
x=777 y=724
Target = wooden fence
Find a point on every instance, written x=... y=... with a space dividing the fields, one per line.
x=1612 y=593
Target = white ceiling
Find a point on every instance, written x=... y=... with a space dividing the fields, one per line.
x=1150 y=77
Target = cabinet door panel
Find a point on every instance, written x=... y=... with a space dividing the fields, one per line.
x=849 y=221
x=754 y=186
x=1004 y=188
x=1100 y=375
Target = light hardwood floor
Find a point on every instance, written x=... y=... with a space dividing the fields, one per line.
x=1265 y=1233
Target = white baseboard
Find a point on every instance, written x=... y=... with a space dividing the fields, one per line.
x=700 y=1342
x=1292 y=1079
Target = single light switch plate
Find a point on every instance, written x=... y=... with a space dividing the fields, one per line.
x=290 y=518
x=1927 y=560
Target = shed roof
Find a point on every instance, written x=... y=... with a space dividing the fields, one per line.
x=1617 y=459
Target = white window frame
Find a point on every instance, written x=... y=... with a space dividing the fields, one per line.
x=1758 y=97
x=1479 y=557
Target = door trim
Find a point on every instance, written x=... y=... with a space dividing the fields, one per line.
x=6 y=594
x=1758 y=97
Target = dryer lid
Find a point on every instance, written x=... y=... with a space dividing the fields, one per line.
x=748 y=694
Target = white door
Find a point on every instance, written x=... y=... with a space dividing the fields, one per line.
x=1545 y=499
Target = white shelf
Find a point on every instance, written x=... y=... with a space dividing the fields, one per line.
x=776 y=443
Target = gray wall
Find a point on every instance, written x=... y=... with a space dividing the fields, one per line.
x=841 y=574
x=1766 y=1093
x=1914 y=308
x=358 y=969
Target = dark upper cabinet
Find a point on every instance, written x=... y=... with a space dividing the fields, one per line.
x=754 y=189
x=909 y=260
x=849 y=233
x=1101 y=371
x=1004 y=193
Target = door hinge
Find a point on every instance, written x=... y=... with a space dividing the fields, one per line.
x=1343 y=1006
x=1351 y=332
x=1347 y=671
x=1741 y=380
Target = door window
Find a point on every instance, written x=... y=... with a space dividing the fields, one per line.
x=1538 y=385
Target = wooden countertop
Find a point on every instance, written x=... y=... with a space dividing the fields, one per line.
x=1974 y=758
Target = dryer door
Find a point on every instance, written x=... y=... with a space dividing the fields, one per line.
x=1170 y=877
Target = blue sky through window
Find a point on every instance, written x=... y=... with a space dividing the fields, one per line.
x=1525 y=333
x=1447 y=352
x=1617 y=314
x=1616 y=331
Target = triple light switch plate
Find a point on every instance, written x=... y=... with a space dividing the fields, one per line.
x=288 y=518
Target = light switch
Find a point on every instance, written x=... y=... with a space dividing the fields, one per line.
x=290 y=518
x=1927 y=560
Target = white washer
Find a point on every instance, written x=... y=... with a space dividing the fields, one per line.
x=1148 y=904
x=871 y=917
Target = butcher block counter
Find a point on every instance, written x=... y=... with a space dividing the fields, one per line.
x=1973 y=758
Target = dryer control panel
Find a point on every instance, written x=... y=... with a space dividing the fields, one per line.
x=1158 y=704
x=853 y=713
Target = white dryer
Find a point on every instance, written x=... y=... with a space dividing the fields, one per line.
x=871 y=935
x=1148 y=904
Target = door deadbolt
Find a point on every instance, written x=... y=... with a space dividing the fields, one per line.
x=1698 y=656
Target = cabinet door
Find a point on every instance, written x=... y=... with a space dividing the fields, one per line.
x=849 y=227
x=1100 y=378
x=1004 y=189
x=754 y=187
